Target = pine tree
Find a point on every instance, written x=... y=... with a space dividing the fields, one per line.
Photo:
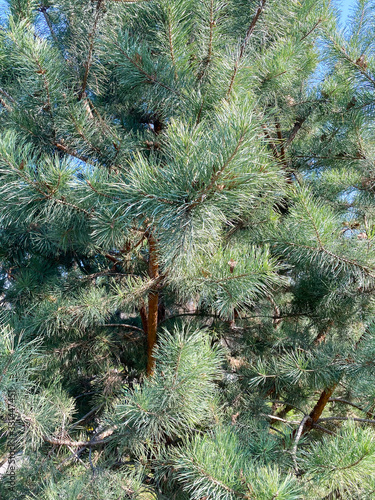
x=187 y=250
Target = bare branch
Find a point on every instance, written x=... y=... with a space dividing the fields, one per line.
x=356 y=419
x=102 y=438
x=71 y=152
x=298 y=437
x=43 y=10
x=345 y=401
x=295 y=129
x=91 y=412
x=9 y=97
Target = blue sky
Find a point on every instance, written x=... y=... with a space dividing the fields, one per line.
x=344 y=6
x=2 y=6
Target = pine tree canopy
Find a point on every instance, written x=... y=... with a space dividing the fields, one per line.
x=187 y=250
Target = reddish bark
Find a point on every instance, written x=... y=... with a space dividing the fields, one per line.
x=153 y=302
x=318 y=409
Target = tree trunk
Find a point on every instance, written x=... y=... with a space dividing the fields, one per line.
x=153 y=303
x=318 y=409
x=321 y=404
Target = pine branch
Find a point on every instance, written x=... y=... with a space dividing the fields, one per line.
x=278 y=401
x=212 y=24
x=279 y=419
x=355 y=64
x=356 y=419
x=351 y=465
x=71 y=205
x=305 y=206
x=78 y=457
x=42 y=72
x=33 y=184
x=244 y=44
x=208 y=58
x=150 y=78
x=82 y=135
x=301 y=120
x=312 y=29
x=154 y=197
x=5 y=105
x=297 y=438
x=215 y=481
x=365 y=269
x=323 y=429
x=216 y=175
x=281 y=143
x=315 y=415
x=322 y=335
x=71 y=152
x=5 y=94
x=318 y=409
x=103 y=438
x=170 y=41
x=124 y=325
x=350 y=403
x=85 y=417
x=96 y=191
x=295 y=130
x=333 y=157
x=88 y=63
x=271 y=142
x=104 y=125
x=361 y=20
x=43 y=10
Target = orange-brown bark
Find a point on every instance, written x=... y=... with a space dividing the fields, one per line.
x=153 y=302
x=318 y=409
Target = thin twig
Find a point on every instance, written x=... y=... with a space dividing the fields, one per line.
x=9 y=97
x=312 y=29
x=244 y=44
x=277 y=430
x=150 y=78
x=71 y=152
x=5 y=105
x=123 y=325
x=43 y=10
x=102 y=438
x=91 y=412
x=77 y=457
x=345 y=401
x=356 y=419
x=273 y=417
x=326 y=431
x=91 y=48
x=216 y=175
x=298 y=437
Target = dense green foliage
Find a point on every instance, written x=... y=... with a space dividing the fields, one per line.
x=187 y=266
